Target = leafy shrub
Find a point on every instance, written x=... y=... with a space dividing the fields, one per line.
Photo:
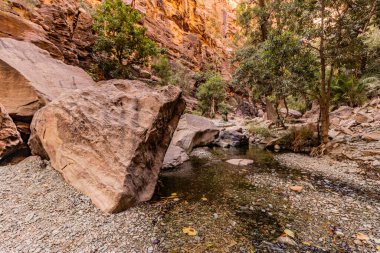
x=347 y=90
x=161 y=68
x=182 y=78
x=121 y=41
x=299 y=139
x=211 y=95
x=262 y=131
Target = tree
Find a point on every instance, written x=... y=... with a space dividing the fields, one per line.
x=211 y=94
x=335 y=31
x=121 y=41
x=276 y=68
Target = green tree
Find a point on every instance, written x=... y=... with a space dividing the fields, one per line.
x=277 y=68
x=334 y=31
x=211 y=95
x=121 y=41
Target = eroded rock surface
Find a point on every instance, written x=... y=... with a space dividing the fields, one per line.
x=192 y=131
x=109 y=142
x=30 y=78
x=10 y=138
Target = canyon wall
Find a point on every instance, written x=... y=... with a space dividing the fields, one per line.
x=196 y=33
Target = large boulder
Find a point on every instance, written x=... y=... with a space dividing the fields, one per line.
x=192 y=131
x=109 y=142
x=10 y=138
x=30 y=78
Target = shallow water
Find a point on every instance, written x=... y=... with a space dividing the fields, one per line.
x=230 y=214
x=233 y=209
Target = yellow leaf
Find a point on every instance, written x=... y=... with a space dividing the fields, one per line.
x=174 y=194
x=306 y=243
x=289 y=232
x=378 y=247
x=362 y=236
x=189 y=231
x=204 y=198
x=209 y=245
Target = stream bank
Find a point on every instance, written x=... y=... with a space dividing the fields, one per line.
x=232 y=209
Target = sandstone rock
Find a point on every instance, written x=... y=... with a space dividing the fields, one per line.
x=291 y=113
x=343 y=112
x=174 y=156
x=372 y=136
x=363 y=118
x=240 y=162
x=109 y=142
x=19 y=28
x=192 y=131
x=31 y=78
x=10 y=138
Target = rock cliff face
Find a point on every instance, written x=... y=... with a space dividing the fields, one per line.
x=197 y=33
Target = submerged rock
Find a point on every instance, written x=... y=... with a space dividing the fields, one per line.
x=10 y=138
x=240 y=162
x=192 y=131
x=109 y=142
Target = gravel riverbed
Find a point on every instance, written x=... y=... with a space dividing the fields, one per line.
x=337 y=210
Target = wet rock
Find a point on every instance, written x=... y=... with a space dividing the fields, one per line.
x=232 y=137
x=109 y=142
x=10 y=139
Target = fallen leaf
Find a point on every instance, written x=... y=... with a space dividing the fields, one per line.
x=362 y=237
x=296 y=188
x=204 y=198
x=189 y=231
x=289 y=232
x=306 y=243
x=378 y=247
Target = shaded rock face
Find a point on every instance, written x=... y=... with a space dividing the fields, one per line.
x=192 y=131
x=10 y=138
x=232 y=137
x=30 y=78
x=109 y=142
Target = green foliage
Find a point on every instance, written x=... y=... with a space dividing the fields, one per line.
x=279 y=66
x=299 y=139
x=121 y=42
x=211 y=94
x=347 y=90
x=161 y=68
x=182 y=77
x=257 y=130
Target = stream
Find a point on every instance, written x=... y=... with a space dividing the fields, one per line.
x=231 y=213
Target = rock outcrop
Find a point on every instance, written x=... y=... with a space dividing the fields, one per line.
x=192 y=131
x=196 y=33
x=109 y=142
x=10 y=138
x=63 y=27
x=30 y=78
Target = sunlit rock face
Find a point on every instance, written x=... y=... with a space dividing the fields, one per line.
x=197 y=33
